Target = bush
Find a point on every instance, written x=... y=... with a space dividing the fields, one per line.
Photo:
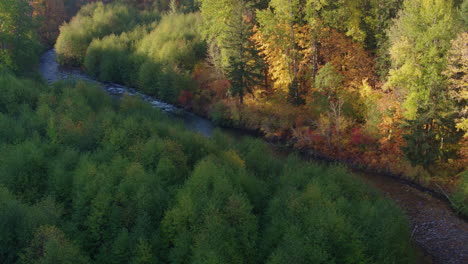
x=162 y=55
x=175 y=41
x=95 y=20
x=220 y=114
x=332 y=219
x=460 y=196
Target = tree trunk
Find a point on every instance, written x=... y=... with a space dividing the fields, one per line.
x=315 y=60
x=294 y=56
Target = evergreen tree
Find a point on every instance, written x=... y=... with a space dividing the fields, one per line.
x=420 y=41
x=432 y=136
x=231 y=30
x=244 y=63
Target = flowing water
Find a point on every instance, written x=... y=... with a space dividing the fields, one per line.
x=52 y=72
x=440 y=235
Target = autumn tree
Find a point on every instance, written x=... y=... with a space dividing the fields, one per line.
x=457 y=72
x=50 y=14
x=278 y=40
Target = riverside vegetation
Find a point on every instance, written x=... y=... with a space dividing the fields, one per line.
x=367 y=90
x=86 y=178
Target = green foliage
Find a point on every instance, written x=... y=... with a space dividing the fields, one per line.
x=93 y=21
x=220 y=114
x=464 y=13
x=212 y=221
x=16 y=94
x=328 y=80
x=154 y=57
x=417 y=74
x=95 y=180
x=18 y=221
x=175 y=41
x=309 y=220
x=19 y=46
x=460 y=196
x=50 y=246
x=416 y=67
x=149 y=76
x=431 y=138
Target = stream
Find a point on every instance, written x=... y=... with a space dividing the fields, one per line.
x=439 y=234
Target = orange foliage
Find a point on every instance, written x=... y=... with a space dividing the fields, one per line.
x=211 y=88
x=51 y=14
x=348 y=57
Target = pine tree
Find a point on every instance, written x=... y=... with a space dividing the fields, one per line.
x=244 y=63
x=420 y=40
x=239 y=57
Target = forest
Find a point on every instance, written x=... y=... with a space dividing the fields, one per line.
x=89 y=178
x=374 y=83
x=86 y=178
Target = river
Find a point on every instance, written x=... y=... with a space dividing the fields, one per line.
x=440 y=235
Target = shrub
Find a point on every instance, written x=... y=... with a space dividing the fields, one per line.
x=95 y=20
x=175 y=41
x=460 y=196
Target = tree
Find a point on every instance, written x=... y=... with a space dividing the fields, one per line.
x=309 y=220
x=211 y=221
x=279 y=29
x=215 y=27
x=231 y=31
x=244 y=62
x=464 y=13
x=93 y=21
x=144 y=254
x=50 y=246
x=432 y=136
x=457 y=74
x=50 y=14
x=18 y=222
x=420 y=39
x=377 y=23
x=329 y=82
x=18 y=43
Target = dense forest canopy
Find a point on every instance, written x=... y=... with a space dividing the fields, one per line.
x=380 y=82
x=85 y=178
x=88 y=178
